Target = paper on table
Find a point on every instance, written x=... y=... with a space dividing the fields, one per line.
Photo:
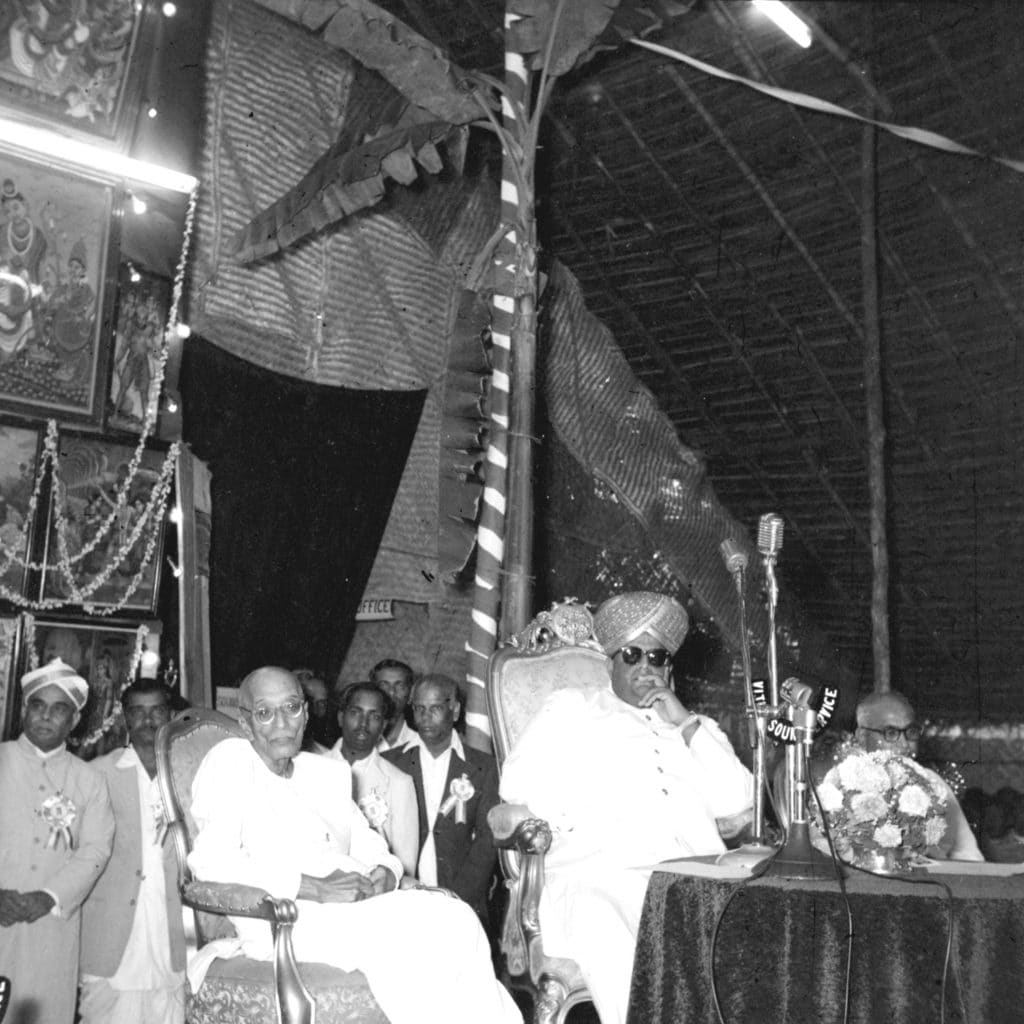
x=972 y=867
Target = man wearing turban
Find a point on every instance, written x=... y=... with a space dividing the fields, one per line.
x=56 y=831
x=626 y=777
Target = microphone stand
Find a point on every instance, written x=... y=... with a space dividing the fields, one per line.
x=754 y=852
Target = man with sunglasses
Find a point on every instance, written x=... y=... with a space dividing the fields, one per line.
x=626 y=777
x=270 y=815
x=133 y=939
x=886 y=721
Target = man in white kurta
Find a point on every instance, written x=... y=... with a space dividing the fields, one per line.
x=133 y=939
x=285 y=821
x=887 y=721
x=56 y=830
x=626 y=778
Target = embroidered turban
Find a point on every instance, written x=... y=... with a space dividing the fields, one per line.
x=56 y=673
x=623 y=618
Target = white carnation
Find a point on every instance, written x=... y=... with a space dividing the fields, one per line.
x=830 y=797
x=868 y=807
x=934 y=830
x=914 y=800
x=888 y=836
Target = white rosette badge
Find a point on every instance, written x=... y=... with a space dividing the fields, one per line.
x=375 y=809
x=460 y=793
x=59 y=812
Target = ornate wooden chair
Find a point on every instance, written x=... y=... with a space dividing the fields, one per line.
x=556 y=651
x=240 y=988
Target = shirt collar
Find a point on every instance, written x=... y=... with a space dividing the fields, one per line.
x=456 y=745
x=128 y=758
x=44 y=755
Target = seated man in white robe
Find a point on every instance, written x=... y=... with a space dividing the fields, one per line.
x=626 y=777
x=271 y=816
x=886 y=721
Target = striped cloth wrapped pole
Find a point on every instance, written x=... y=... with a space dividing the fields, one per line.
x=483 y=636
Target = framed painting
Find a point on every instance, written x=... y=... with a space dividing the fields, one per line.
x=143 y=303
x=76 y=65
x=101 y=654
x=91 y=473
x=19 y=462
x=55 y=270
x=9 y=635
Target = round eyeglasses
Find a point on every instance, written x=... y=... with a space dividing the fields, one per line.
x=265 y=713
x=892 y=733
x=656 y=658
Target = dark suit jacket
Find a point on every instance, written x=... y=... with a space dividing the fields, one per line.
x=466 y=857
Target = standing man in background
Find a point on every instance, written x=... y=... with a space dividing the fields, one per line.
x=133 y=940
x=395 y=679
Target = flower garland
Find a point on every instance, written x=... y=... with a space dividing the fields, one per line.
x=155 y=508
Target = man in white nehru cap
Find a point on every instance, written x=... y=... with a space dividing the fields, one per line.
x=56 y=832
x=626 y=777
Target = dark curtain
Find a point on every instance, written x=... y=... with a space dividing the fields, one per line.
x=303 y=480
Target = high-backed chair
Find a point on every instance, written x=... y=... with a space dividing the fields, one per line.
x=281 y=992
x=556 y=651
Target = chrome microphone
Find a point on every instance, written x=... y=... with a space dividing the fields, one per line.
x=769 y=542
x=770 y=529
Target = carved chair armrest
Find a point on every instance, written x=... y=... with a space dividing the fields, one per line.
x=236 y=900
x=516 y=827
x=295 y=1005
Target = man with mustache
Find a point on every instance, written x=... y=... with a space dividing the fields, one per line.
x=133 y=940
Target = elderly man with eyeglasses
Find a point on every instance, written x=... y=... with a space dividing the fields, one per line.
x=133 y=939
x=627 y=777
x=886 y=721
x=272 y=816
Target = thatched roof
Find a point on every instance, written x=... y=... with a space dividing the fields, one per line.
x=717 y=232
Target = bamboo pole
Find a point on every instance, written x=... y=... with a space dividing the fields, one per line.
x=875 y=410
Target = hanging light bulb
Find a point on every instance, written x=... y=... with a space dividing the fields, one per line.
x=169 y=10
x=134 y=276
x=151 y=113
x=138 y=205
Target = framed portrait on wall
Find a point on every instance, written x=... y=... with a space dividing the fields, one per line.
x=98 y=529
x=20 y=447
x=76 y=65
x=143 y=303
x=9 y=636
x=56 y=247
x=101 y=653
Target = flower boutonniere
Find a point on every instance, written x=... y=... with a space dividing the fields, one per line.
x=59 y=812
x=375 y=808
x=460 y=793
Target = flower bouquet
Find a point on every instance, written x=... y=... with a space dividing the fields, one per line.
x=885 y=811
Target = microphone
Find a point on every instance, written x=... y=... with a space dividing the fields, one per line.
x=733 y=555
x=795 y=693
x=770 y=528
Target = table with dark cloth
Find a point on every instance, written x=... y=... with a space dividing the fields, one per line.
x=780 y=954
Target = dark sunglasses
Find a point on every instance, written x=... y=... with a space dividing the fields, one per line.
x=656 y=658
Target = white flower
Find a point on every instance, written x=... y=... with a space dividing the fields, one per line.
x=830 y=797
x=868 y=807
x=860 y=772
x=934 y=830
x=888 y=836
x=898 y=773
x=914 y=800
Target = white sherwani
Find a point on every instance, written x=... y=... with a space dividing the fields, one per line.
x=622 y=791
x=257 y=828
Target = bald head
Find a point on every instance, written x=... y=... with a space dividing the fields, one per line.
x=269 y=676
x=886 y=721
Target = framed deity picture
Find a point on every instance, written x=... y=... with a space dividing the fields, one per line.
x=55 y=270
x=9 y=634
x=143 y=303
x=78 y=66
x=19 y=462
x=102 y=655
x=98 y=525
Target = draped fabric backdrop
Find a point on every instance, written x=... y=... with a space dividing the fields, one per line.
x=303 y=480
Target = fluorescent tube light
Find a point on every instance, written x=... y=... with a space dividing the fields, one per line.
x=793 y=26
